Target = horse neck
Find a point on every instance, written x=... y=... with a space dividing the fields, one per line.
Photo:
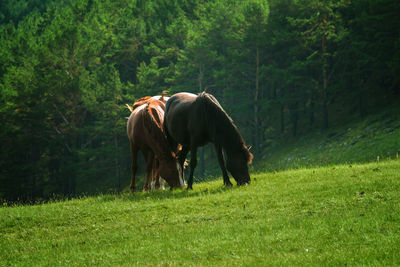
x=161 y=151
x=226 y=133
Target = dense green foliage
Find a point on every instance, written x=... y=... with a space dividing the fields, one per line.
x=329 y=216
x=280 y=68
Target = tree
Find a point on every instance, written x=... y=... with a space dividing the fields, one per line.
x=256 y=15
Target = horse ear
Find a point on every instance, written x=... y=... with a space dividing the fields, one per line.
x=129 y=107
x=250 y=160
x=186 y=163
x=250 y=155
x=179 y=148
x=163 y=93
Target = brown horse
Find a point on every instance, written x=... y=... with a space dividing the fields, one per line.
x=194 y=120
x=157 y=181
x=144 y=100
x=145 y=133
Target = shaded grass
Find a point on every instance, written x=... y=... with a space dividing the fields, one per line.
x=321 y=216
x=374 y=138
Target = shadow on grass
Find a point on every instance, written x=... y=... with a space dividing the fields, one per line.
x=165 y=194
x=200 y=190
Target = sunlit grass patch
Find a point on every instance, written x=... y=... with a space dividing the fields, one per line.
x=343 y=214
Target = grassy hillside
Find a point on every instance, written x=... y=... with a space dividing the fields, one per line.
x=373 y=138
x=356 y=141
x=347 y=214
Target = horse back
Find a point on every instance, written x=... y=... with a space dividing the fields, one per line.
x=185 y=119
x=136 y=129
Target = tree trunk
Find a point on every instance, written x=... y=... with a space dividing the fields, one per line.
x=325 y=114
x=361 y=100
x=312 y=105
x=256 y=92
x=201 y=149
x=282 y=119
x=325 y=85
x=116 y=161
x=294 y=116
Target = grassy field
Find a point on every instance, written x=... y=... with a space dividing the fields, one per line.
x=338 y=215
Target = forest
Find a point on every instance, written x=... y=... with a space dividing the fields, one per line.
x=280 y=68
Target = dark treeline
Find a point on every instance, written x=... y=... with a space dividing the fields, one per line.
x=280 y=68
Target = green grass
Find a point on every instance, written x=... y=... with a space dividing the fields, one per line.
x=374 y=138
x=338 y=215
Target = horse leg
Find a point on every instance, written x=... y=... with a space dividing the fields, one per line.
x=134 y=151
x=149 y=156
x=156 y=175
x=218 y=150
x=181 y=158
x=193 y=163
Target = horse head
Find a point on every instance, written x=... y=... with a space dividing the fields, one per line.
x=171 y=171
x=237 y=165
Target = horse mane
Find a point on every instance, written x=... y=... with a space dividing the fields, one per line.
x=138 y=102
x=232 y=139
x=145 y=100
x=153 y=122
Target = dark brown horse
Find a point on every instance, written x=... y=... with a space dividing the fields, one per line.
x=145 y=133
x=193 y=121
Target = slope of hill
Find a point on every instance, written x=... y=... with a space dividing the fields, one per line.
x=337 y=215
x=374 y=138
